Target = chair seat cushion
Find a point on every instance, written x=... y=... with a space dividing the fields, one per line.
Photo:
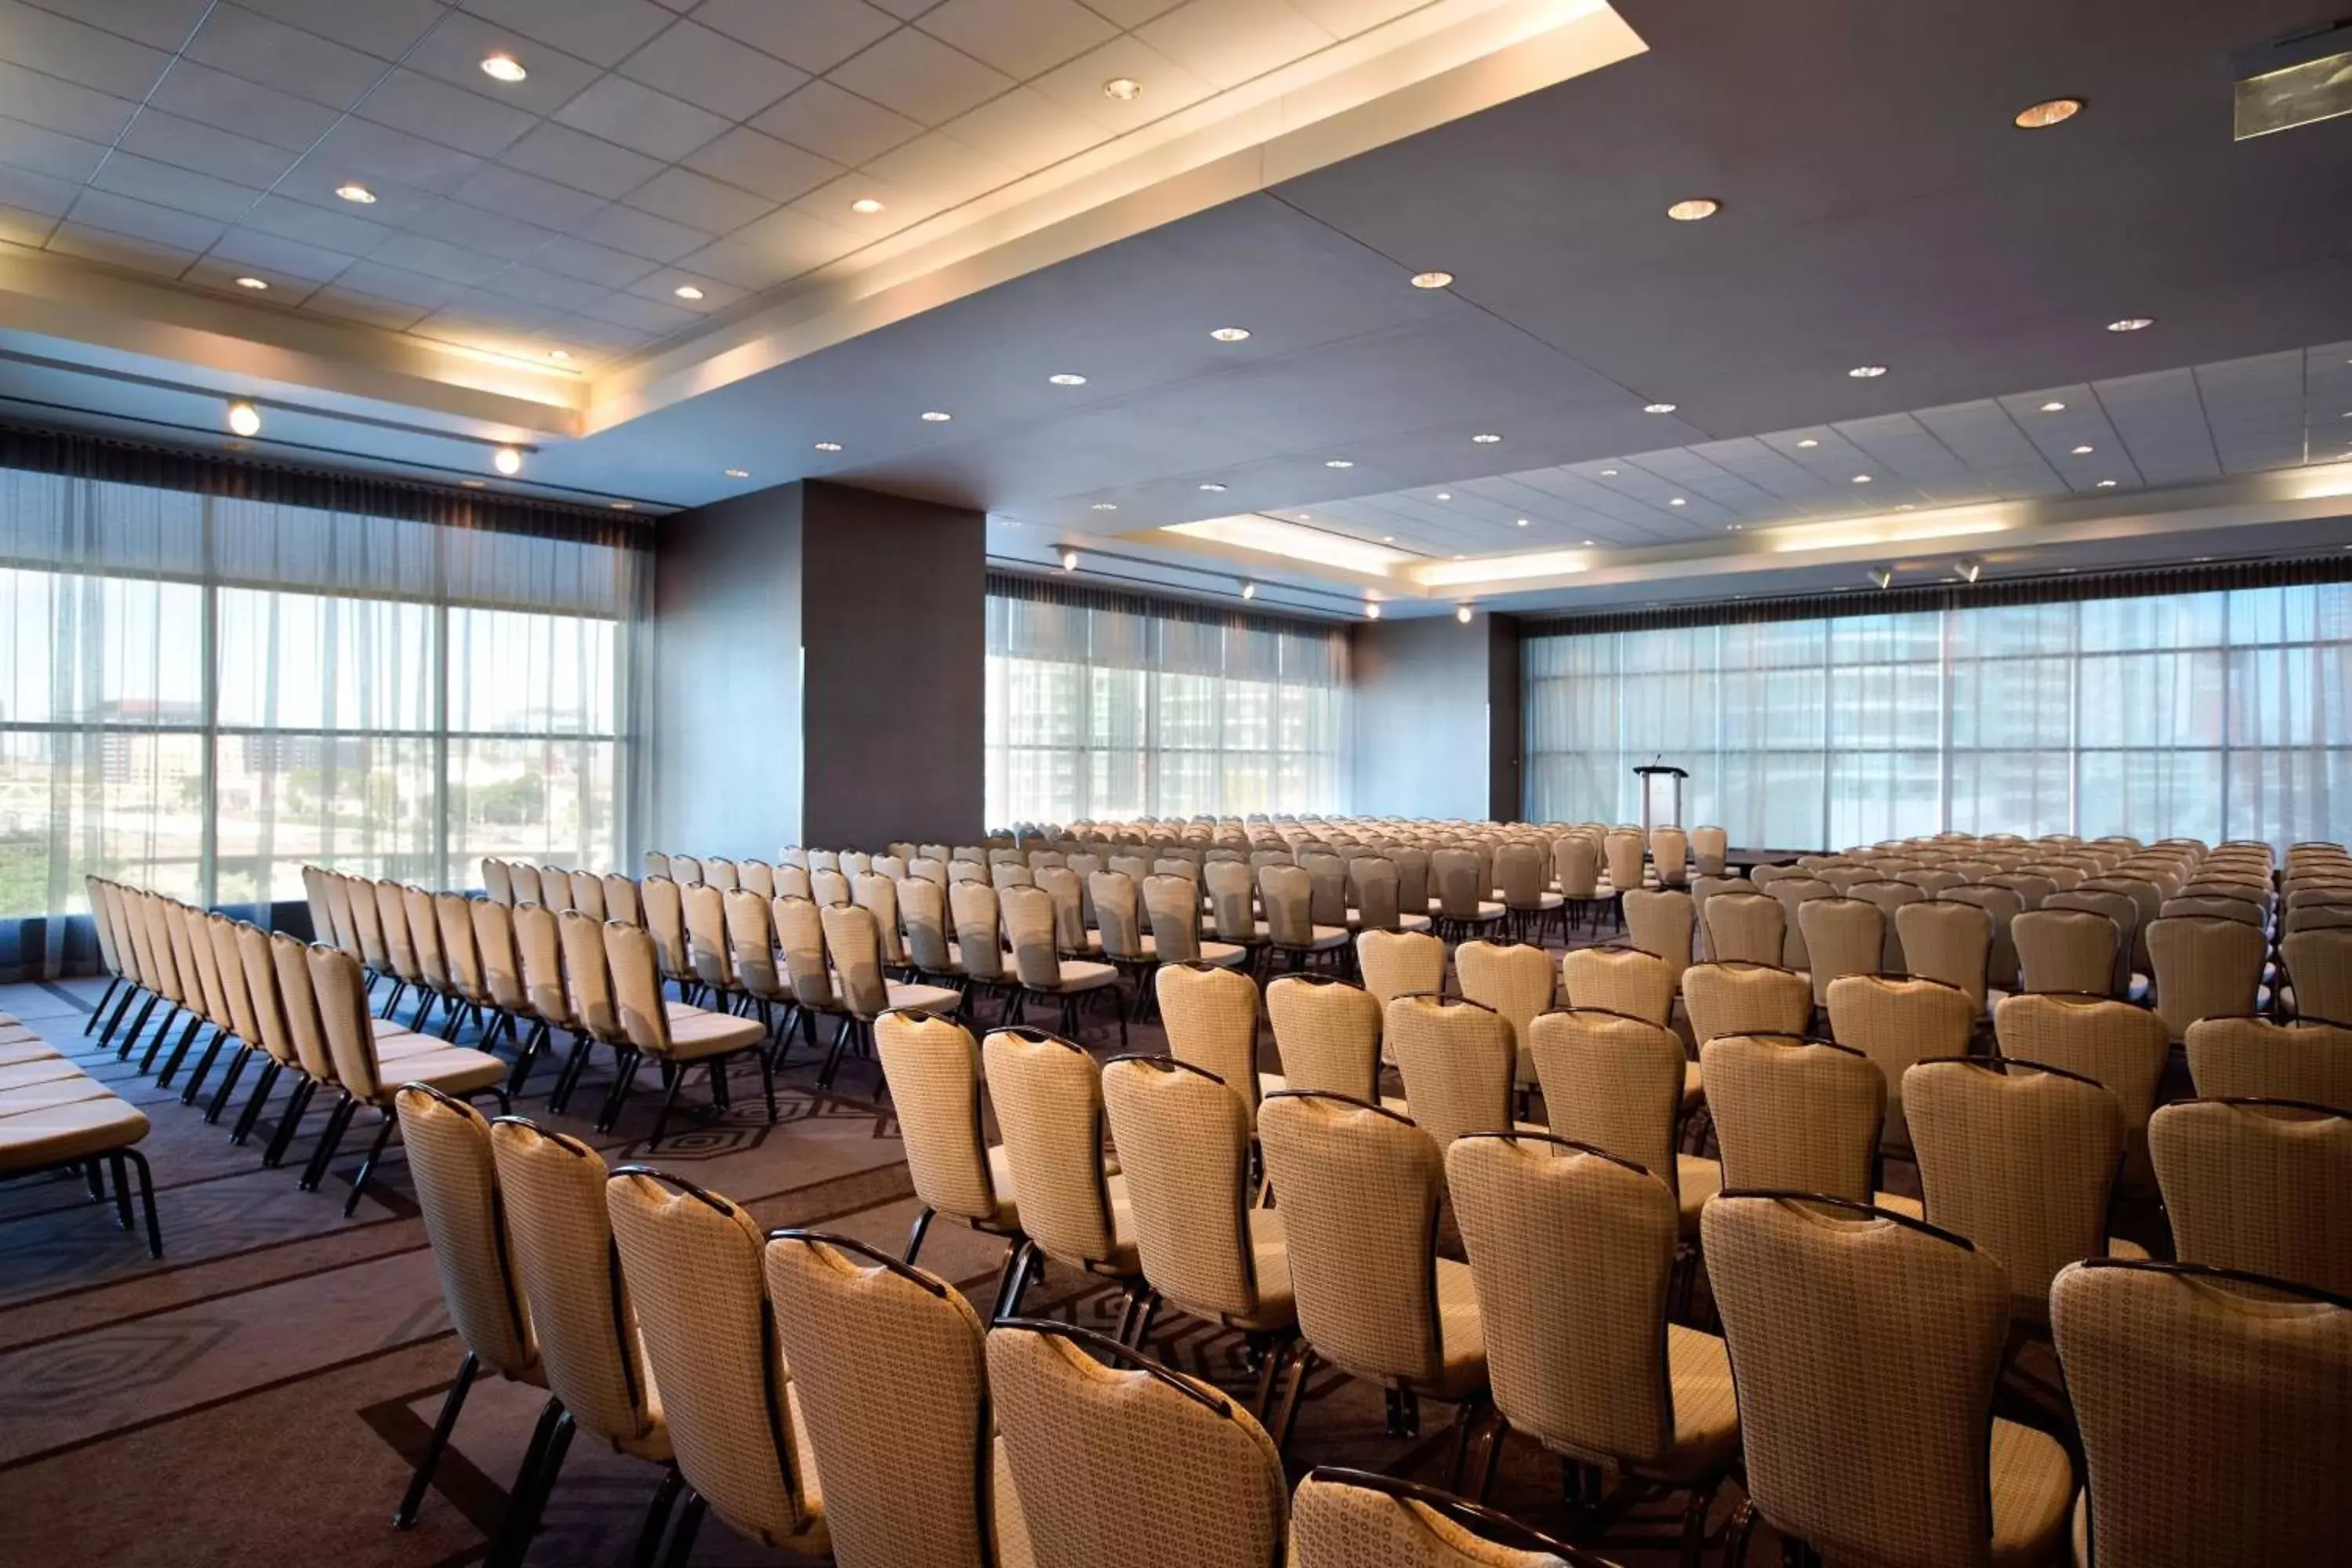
x=55 y=1092
x=1412 y=922
x=1696 y=1180
x=59 y=1134
x=452 y=1070
x=1085 y=974
x=1461 y=1333
x=46 y=1069
x=1694 y=1086
x=923 y=998
x=703 y=1033
x=1707 y=1416
x=401 y=1044
x=18 y=1052
x=1277 y=1309
x=1321 y=939
x=1223 y=955
x=1007 y=1218
x=2032 y=1486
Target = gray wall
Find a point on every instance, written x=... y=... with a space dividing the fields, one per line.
x=1436 y=718
x=819 y=669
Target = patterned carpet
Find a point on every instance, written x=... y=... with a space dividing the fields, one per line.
x=263 y=1390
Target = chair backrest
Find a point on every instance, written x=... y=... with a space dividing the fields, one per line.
x=553 y=1189
x=1174 y=905
x=1459 y=1063
x=890 y=1369
x=1030 y=926
x=828 y=886
x=2109 y=1042
x=1327 y=898
x=1576 y=865
x=2318 y=963
x=1048 y=1098
x=664 y=911
x=588 y=894
x=685 y=870
x=588 y=977
x=693 y=1262
x=709 y=951
x=1287 y=894
x=1794 y=1116
x=2205 y=967
x=1896 y=1022
x=922 y=907
x=2120 y=910
x=792 y=882
x=1341 y=1519
x=854 y=946
x=1398 y=964
x=636 y=969
x=1213 y=1495
x=2064 y=950
x=1571 y=1251
x=1746 y=928
x=1119 y=914
x=750 y=938
x=466 y=1219
x=1516 y=979
x=1210 y=1014
x=2215 y=1411
x=1867 y=1442
x=1844 y=937
x=1947 y=939
x=1613 y=1083
x=496 y=881
x=759 y=877
x=1006 y=874
x=256 y=952
x=979 y=930
x=2241 y=1057
x=2004 y=906
x=1183 y=1141
x=555 y=888
x=1670 y=853
x=1327 y=1035
x=1522 y=870
x=454 y=914
x=1621 y=979
x=1793 y=893
x=1661 y=922
x=933 y=1065
x=220 y=934
x=1062 y=885
x=2020 y=1159
x=1360 y=1189
x=1623 y=851
x=878 y=895
x=1709 y=848
x=399 y=942
x=2263 y=1185
x=1889 y=896
x=1726 y=998
x=1232 y=908
x=339 y=991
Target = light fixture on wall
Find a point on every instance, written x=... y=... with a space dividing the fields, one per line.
x=1883 y=576
x=507 y=461
x=1371 y=610
x=1461 y=614
x=1249 y=589
x=1069 y=559
x=1969 y=567
x=245 y=418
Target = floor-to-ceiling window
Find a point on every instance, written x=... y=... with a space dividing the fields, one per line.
x=1109 y=707
x=203 y=692
x=2215 y=714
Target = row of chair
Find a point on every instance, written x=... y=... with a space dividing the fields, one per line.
x=55 y=1117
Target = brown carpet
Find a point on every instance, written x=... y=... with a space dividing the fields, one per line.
x=261 y=1393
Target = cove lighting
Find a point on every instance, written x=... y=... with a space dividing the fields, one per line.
x=1274 y=536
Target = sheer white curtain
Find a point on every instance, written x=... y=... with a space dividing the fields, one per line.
x=1109 y=707
x=2225 y=714
x=203 y=692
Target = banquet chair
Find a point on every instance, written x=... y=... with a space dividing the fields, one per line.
x=2256 y=1058
x=1047 y=1094
x=934 y=1068
x=2263 y=1185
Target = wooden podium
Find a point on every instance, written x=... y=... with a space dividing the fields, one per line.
x=1662 y=796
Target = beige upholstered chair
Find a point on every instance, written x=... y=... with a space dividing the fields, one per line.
x=1048 y=1098
x=456 y=1182
x=2022 y=1160
x=1746 y=928
x=1183 y=1138
x=1738 y=998
x=1623 y=851
x=1844 y=937
x=587 y=895
x=1618 y=1084
x=2108 y=1042
x=1074 y=1434
x=934 y=1068
x=2065 y=950
x=751 y=933
x=2255 y=1058
x=673 y=1035
x=1358 y=1188
x=1661 y=922
x=1374 y=884
x=1793 y=893
x=694 y=1266
x=1458 y=1061
x=1521 y=869
x=664 y=909
x=891 y=1368
x=1669 y=856
x=2205 y=967
x=879 y=896
x=1572 y=1251
x=1462 y=886
x=1576 y=867
x=1890 y=897
x=1343 y=1518
x=2215 y=1411
x=1797 y=1116
x=1620 y=980
x=2123 y=911
x=551 y=1189
x=1327 y=1034
x=1174 y=905
x=1072 y=935
x=2263 y=1185
x=1287 y=892
x=1210 y=1014
x=1866 y=1348
x=1400 y=963
x=2004 y=906
x=1231 y=888
x=1895 y=1023
x=2319 y=966
x=709 y=952
x=1029 y=924
x=1518 y=981
x=1945 y=939
x=1709 y=846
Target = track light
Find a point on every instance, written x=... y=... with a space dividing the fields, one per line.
x=1969 y=567
x=1883 y=576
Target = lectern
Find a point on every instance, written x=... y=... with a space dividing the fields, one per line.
x=1662 y=796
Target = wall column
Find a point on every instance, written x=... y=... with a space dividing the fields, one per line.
x=1436 y=722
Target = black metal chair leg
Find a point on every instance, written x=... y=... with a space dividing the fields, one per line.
x=527 y=1507
x=138 y=1023
x=767 y=1083
x=367 y=1166
x=121 y=1188
x=915 y=1236
x=330 y=1139
x=625 y=1079
x=163 y=1033
x=690 y=1523
x=252 y=1111
x=219 y=1102
x=675 y=1073
x=404 y=1516
x=1301 y=1361
x=91 y=1022
x=203 y=1066
x=129 y=995
x=290 y=1122
x=503 y=1547
x=657 y=1518
x=147 y=1201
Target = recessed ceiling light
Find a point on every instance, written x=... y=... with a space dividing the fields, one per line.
x=625 y=505
x=1588 y=542
x=1694 y=209
x=561 y=356
x=1809 y=441
x=2131 y=323
x=1658 y=409
x=1391 y=539
x=2054 y=406
x=1522 y=522
x=828 y=446
x=1249 y=589
x=1461 y=614
x=1338 y=463
x=1462 y=558
x=1678 y=501
x=1485 y=438
x=473 y=484
x=1445 y=495
x=2107 y=484
x=2083 y=452
x=1066 y=378
x=1608 y=473
x=255 y=284
x=1231 y=334
x=1372 y=611
x=1861 y=478
x=1867 y=372
x=503 y=67
x=359 y=193
x=2048 y=112
x=686 y=291
x=1106 y=506
x=865 y=204
x=507 y=461
x=1124 y=89
x=1737 y=527
x=1212 y=487
x=1301 y=516
x=1433 y=280
x=245 y=418
x=1069 y=560
x=737 y=473
x=936 y=416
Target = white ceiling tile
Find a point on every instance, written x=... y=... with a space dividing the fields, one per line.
x=907 y=10
x=121 y=250
x=1023 y=38
x=640 y=234
x=1167 y=86
x=777 y=170
x=548 y=290
x=168 y=139
x=527 y=196
x=232 y=104
x=51 y=153
x=1230 y=41
x=347 y=305
x=661 y=286
x=145 y=220
x=438 y=259
x=901 y=205
x=159 y=24
x=1346 y=18
x=792 y=242
x=454 y=52
x=711 y=69
x=55 y=105
x=1131 y=13
x=64 y=48
x=427 y=107
x=738 y=262
x=144 y=179
x=814 y=34
x=638 y=118
x=276 y=259
x=919 y=77
x=385 y=29
x=373 y=278
x=941 y=169
x=18 y=227
x=315 y=226
x=698 y=201
x=835 y=124
x=645 y=315
x=364 y=149
x=602 y=31
x=1027 y=129
x=40 y=193
x=501 y=233
x=600 y=337
x=586 y=162
x=261 y=50
x=590 y=263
